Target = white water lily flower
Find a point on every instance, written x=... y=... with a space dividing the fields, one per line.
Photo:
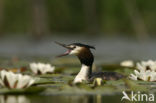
x=145 y=76
x=12 y=80
x=147 y=65
x=127 y=63
x=41 y=68
x=146 y=71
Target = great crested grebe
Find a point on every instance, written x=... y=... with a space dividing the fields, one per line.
x=86 y=58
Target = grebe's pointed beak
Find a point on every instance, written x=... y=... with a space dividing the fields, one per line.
x=65 y=46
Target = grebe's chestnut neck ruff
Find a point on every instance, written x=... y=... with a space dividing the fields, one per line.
x=86 y=58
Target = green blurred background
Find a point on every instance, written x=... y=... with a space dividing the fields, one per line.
x=90 y=17
x=119 y=29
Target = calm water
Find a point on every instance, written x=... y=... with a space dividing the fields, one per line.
x=108 y=50
x=60 y=99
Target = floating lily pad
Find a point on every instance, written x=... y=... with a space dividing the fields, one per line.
x=60 y=82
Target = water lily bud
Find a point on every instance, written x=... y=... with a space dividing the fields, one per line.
x=98 y=82
x=127 y=63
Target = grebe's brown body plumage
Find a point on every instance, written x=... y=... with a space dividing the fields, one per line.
x=86 y=58
x=106 y=76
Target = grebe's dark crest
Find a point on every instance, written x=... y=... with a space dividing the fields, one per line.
x=86 y=58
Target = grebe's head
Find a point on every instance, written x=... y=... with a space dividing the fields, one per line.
x=75 y=49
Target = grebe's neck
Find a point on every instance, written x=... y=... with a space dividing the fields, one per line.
x=86 y=59
x=84 y=74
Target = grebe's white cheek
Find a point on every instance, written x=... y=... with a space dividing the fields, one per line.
x=76 y=51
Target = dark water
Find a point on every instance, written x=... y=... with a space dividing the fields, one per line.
x=60 y=99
